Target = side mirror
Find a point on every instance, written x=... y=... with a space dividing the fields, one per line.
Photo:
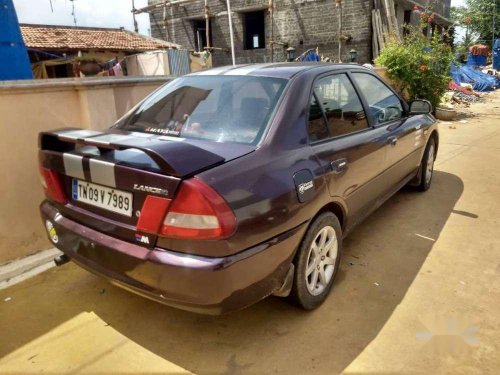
x=420 y=107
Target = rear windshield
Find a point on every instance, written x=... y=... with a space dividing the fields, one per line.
x=218 y=108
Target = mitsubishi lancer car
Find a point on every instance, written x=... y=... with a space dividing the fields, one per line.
x=226 y=186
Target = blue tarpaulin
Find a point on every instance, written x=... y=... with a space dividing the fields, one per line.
x=496 y=55
x=476 y=60
x=14 y=61
x=309 y=55
x=479 y=80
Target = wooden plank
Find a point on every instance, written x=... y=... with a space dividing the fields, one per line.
x=374 y=36
x=391 y=18
x=386 y=7
x=384 y=28
x=381 y=31
x=395 y=20
x=380 y=42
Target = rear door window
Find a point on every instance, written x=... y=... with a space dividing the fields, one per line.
x=217 y=108
x=317 y=127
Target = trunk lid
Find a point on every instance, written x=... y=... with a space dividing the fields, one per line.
x=108 y=175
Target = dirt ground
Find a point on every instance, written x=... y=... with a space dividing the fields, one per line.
x=418 y=292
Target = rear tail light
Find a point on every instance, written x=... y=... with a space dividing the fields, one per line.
x=52 y=185
x=198 y=212
x=153 y=212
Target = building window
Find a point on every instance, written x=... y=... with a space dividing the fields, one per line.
x=406 y=22
x=255 y=30
x=200 y=34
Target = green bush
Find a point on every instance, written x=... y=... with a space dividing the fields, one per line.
x=421 y=66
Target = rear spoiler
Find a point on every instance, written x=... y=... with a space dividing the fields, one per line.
x=174 y=157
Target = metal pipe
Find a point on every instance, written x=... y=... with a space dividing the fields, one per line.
x=231 y=36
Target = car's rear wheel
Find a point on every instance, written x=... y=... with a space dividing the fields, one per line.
x=427 y=166
x=317 y=262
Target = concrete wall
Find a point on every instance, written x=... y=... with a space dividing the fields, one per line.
x=302 y=24
x=29 y=107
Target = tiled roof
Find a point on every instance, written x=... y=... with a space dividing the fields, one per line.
x=50 y=37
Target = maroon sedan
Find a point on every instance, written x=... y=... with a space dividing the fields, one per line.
x=229 y=185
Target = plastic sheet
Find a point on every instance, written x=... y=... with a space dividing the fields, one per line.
x=479 y=80
x=496 y=55
x=309 y=55
x=476 y=60
x=14 y=61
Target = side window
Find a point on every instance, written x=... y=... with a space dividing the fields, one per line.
x=383 y=105
x=341 y=105
x=317 y=126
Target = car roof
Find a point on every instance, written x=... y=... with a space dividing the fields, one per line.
x=277 y=70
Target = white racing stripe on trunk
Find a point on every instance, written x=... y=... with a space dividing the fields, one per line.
x=245 y=70
x=102 y=172
x=213 y=72
x=142 y=135
x=73 y=166
x=107 y=139
x=77 y=134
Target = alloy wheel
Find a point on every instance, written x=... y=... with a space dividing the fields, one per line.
x=430 y=164
x=321 y=260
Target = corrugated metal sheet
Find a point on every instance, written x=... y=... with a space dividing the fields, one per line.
x=179 y=62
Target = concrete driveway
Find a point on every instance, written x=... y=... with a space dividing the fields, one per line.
x=418 y=291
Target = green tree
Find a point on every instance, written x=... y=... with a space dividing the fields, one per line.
x=477 y=17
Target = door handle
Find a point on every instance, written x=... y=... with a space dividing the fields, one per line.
x=392 y=141
x=339 y=166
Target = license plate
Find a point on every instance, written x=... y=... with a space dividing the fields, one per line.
x=103 y=197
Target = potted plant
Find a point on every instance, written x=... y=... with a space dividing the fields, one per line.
x=445 y=110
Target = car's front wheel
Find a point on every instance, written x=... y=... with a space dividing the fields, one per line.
x=317 y=262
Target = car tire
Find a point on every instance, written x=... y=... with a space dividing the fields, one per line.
x=427 y=166
x=316 y=265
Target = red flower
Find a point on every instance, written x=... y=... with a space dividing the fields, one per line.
x=416 y=7
x=422 y=68
x=429 y=19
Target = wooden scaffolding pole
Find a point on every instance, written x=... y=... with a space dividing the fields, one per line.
x=207 y=24
x=165 y=17
x=271 y=17
x=136 y=27
x=338 y=4
x=159 y=5
x=164 y=4
x=231 y=35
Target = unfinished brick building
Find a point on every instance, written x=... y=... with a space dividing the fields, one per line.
x=301 y=24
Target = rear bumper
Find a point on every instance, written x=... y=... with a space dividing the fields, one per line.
x=200 y=284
